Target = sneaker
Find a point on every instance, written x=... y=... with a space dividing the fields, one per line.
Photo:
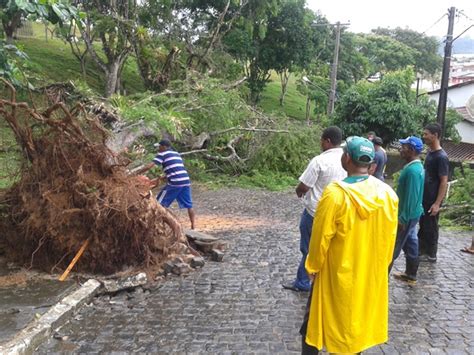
x=291 y=286
x=405 y=278
x=428 y=259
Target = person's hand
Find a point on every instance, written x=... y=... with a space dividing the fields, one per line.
x=434 y=209
x=312 y=277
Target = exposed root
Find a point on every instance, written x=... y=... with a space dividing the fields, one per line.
x=72 y=188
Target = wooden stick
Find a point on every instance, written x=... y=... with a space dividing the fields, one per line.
x=74 y=261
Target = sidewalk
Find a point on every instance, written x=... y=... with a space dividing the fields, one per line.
x=24 y=296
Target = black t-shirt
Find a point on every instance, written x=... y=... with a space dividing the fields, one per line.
x=436 y=165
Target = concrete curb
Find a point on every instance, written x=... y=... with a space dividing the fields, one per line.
x=39 y=330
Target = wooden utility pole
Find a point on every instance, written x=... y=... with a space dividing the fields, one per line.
x=443 y=91
x=332 y=92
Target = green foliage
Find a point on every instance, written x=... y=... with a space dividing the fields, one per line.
x=425 y=47
x=11 y=61
x=387 y=107
x=353 y=65
x=385 y=53
x=460 y=202
x=287 y=153
x=54 y=11
x=144 y=109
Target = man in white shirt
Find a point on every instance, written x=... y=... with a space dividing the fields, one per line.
x=322 y=170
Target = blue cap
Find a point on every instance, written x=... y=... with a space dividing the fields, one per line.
x=415 y=142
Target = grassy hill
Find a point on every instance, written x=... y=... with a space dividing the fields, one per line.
x=294 y=104
x=52 y=61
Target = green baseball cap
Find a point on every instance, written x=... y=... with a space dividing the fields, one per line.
x=361 y=150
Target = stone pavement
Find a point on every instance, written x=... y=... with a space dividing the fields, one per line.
x=238 y=306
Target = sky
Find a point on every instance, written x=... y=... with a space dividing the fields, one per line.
x=418 y=15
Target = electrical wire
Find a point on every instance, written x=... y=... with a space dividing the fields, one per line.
x=434 y=24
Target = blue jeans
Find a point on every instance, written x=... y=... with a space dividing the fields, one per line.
x=306 y=226
x=407 y=240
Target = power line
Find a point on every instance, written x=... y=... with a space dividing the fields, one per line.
x=461 y=12
x=434 y=24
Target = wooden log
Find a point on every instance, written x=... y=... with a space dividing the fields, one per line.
x=74 y=261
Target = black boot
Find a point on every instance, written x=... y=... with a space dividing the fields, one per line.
x=411 y=268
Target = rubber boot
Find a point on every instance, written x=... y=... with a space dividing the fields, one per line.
x=411 y=268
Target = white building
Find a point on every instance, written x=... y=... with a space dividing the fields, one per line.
x=461 y=98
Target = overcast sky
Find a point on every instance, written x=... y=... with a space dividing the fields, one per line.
x=418 y=15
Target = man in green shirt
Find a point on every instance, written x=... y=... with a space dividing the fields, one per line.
x=410 y=207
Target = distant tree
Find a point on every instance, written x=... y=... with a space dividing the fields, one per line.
x=385 y=53
x=292 y=42
x=246 y=41
x=387 y=107
x=114 y=25
x=12 y=12
x=427 y=58
x=353 y=64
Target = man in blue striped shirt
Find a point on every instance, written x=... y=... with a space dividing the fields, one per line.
x=178 y=185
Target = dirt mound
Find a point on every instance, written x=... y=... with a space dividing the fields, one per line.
x=73 y=189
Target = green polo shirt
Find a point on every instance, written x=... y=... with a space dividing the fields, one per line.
x=410 y=191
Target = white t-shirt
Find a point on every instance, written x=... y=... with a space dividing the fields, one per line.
x=321 y=170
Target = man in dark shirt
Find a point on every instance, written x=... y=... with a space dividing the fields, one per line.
x=436 y=184
x=380 y=160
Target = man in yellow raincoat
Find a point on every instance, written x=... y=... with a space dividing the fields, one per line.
x=350 y=250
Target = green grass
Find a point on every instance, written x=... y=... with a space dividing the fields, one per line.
x=294 y=104
x=52 y=61
x=9 y=157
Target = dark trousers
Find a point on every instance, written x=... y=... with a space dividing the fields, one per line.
x=407 y=241
x=428 y=235
x=305 y=348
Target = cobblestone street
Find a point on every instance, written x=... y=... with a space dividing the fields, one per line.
x=238 y=306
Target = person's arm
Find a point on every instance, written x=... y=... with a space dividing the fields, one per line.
x=413 y=189
x=308 y=178
x=301 y=189
x=443 y=171
x=443 y=187
x=375 y=164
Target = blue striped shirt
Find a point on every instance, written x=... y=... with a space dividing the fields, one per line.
x=173 y=167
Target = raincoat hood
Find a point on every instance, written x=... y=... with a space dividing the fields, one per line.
x=366 y=196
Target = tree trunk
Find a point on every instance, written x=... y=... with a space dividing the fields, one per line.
x=8 y=32
x=9 y=26
x=111 y=78
x=308 y=110
x=284 y=77
x=83 y=67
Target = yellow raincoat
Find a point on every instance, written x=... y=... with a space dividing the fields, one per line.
x=350 y=250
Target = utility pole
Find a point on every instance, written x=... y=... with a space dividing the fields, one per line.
x=332 y=92
x=443 y=91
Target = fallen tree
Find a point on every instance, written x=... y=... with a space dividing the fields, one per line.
x=73 y=188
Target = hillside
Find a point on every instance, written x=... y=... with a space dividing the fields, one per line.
x=52 y=61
